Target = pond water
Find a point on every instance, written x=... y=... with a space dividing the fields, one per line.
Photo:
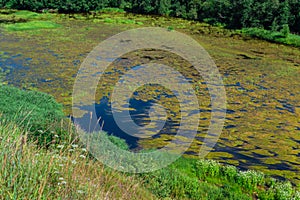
x=262 y=127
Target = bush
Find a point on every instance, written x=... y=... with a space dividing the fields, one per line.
x=38 y=112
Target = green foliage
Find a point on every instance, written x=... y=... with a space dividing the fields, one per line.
x=164 y=7
x=285 y=30
x=38 y=112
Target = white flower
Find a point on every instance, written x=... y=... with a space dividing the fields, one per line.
x=61 y=178
x=82 y=156
x=74 y=146
x=83 y=149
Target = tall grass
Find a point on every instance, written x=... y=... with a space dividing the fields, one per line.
x=62 y=172
x=38 y=112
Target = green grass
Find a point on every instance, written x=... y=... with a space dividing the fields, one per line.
x=207 y=179
x=273 y=36
x=25 y=14
x=64 y=171
x=32 y=25
x=35 y=111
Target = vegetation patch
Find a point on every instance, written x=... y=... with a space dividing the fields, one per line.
x=32 y=25
x=38 y=112
x=25 y=14
x=273 y=36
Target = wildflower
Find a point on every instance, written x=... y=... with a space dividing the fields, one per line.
x=64 y=182
x=60 y=146
x=40 y=131
x=74 y=146
x=83 y=149
x=61 y=178
x=71 y=150
x=82 y=156
x=56 y=136
x=74 y=162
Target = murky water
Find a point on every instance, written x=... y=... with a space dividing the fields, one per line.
x=262 y=129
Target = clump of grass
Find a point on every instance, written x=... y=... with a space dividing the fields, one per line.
x=32 y=25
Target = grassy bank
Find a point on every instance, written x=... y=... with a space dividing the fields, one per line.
x=65 y=170
x=62 y=172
